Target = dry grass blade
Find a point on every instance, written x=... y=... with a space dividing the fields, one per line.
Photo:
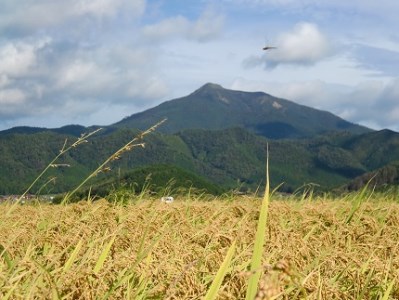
x=256 y=260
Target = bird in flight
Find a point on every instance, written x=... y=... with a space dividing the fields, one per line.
x=269 y=48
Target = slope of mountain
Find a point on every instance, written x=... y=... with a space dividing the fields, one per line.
x=75 y=130
x=385 y=177
x=375 y=149
x=213 y=107
x=229 y=158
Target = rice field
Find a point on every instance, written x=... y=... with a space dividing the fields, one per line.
x=198 y=247
x=201 y=248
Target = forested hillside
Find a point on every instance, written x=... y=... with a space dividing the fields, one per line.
x=230 y=159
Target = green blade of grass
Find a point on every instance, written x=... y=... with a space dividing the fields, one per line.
x=141 y=254
x=103 y=256
x=217 y=281
x=72 y=258
x=10 y=263
x=388 y=290
x=360 y=198
x=365 y=286
x=259 y=239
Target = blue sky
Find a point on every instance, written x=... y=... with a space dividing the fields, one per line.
x=96 y=61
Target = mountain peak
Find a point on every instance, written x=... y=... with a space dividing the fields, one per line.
x=209 y=87
x=214 y=107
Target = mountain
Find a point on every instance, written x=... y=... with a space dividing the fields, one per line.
x=382 y=178
x=228 y=158
x=214 y=107
x=214 y=138
x=75 y=130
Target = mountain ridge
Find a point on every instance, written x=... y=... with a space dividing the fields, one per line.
x=214 y=107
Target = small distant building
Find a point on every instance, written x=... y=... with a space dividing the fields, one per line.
x=167 y=199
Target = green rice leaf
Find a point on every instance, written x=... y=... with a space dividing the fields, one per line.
x=217 y=281
x=72 y=258
x=103 y=256
x=256 y=260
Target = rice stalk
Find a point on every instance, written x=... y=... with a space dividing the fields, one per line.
x=388 y=290
x=73 y=256
x=103 y=256
x=217 y=281
x=104 y=167
x=82 y=139
x=256 y=259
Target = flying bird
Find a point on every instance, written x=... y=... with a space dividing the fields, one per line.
x=269 y=48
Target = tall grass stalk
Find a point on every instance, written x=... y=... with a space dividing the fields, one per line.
x=135 y=142
x=82 y=139
x=256 y=260
x=103 y=256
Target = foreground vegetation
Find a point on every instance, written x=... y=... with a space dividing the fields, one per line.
x=314 y=249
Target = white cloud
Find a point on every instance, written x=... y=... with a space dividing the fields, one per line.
x=171 y=27
x=304 y=45
x=209 y=25
x=11 y=97
x=378 y=61
x=85 y=78
x=4 y=80
x=16 y=59
x=153 y=87
x=76 y=81
x=107 y=8
x=25 y=16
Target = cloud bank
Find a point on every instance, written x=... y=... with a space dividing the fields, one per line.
x=207 y=27
x=305 y=45
x=75 y=59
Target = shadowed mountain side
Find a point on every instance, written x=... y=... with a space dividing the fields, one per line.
x=385 y=177
x=214 y=107
x=375 y=149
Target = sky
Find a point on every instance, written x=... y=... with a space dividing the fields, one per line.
x=94 y=62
